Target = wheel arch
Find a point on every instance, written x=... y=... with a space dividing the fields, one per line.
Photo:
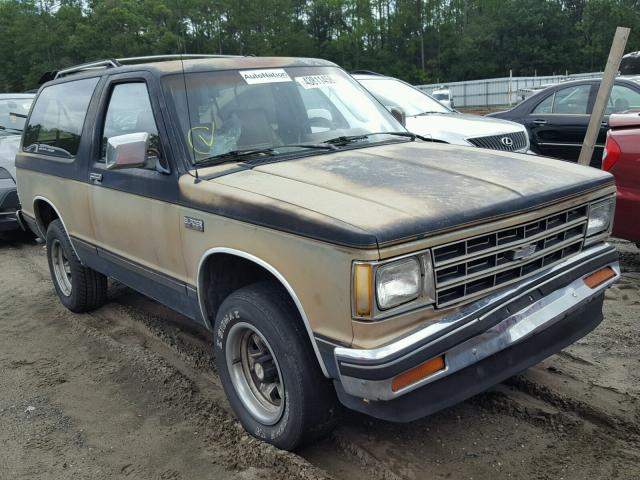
x=46 y=212
x=218 y=258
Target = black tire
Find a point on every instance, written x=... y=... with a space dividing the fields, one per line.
x=88 y=288
x=309 y=405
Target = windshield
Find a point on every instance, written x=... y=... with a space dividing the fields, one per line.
x=13 y=123
x=393 y=93
x=237 y=110
x=441 y=96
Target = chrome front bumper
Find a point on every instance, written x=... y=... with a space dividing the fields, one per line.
x=478 y=330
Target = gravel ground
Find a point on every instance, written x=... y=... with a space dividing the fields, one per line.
x=130 y=390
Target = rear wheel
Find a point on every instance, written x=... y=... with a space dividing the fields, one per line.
x=268 y=369
x=79 y=288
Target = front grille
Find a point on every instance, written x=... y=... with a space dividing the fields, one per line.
x=496 y=142
x=475 y=266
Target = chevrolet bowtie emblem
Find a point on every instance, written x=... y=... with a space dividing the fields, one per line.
x=522 y=252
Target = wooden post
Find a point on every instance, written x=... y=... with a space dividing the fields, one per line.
x=610 y=72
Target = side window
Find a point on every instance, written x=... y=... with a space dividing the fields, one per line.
x=129 y=111
x=545 y=105
x=622 y=98
x=55 y=125
x=572 y=100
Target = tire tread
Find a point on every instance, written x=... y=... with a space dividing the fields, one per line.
x=89 y=287
x=318 y=395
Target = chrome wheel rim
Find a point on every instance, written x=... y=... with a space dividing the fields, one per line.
x=61 y=267
x=255 y=373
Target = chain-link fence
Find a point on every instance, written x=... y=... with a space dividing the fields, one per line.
x=499 y=91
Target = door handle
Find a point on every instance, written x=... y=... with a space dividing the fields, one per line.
x=539 y=122
x=95 y=178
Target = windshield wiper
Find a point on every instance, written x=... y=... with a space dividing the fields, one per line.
x=237 y=154
x=347 y=139
x=315 y=146
x=429 y=113
x=233 y=155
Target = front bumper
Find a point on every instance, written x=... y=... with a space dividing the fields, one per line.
x=483 y=343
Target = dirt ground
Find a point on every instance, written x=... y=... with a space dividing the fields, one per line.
x=130 y=390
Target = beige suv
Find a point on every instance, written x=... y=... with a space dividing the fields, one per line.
x=334 y=255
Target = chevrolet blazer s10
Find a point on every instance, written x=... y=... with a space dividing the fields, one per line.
x=333 y=254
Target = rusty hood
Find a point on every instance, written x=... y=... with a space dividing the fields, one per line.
x=382 y=195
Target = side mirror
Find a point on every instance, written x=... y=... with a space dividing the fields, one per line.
x=399 y=115
x=127 y=151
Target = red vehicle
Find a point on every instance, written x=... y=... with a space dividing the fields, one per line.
x=621 y=157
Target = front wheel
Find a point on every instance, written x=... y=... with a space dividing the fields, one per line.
x=268 y=368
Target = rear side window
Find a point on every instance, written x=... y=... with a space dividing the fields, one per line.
x=57 y=118
x=545 y=105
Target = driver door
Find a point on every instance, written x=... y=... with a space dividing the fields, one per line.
x=134 y=211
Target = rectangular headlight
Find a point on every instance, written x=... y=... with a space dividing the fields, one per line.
x=398 y=282
x=600 y=217
x=382 y=289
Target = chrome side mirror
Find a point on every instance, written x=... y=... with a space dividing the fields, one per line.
x=127 y=151
x=399 y=115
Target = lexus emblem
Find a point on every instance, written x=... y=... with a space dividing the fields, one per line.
x=507 y=142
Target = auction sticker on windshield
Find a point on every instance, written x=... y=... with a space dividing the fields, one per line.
x=271 y=75
x=316 y=81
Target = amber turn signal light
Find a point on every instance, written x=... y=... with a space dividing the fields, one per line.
x=599 y=277
x=362 y=289
x=417 y=373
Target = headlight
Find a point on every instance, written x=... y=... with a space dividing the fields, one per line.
x=398 y=283
x=383 y=289
x=600 y=215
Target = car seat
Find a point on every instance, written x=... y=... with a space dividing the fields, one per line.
x=256 y=131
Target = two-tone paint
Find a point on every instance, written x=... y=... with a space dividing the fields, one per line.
x=302 y=221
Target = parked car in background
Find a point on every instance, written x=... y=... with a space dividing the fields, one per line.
x=630 y=64
x=444 y=96
x=557 y=117
x=622 y=158
x=14 y=108
x=427 y=117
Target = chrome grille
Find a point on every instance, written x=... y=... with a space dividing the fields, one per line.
x=477 y=265
x=495 y=142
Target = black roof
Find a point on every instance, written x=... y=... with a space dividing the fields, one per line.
x=168 y=64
